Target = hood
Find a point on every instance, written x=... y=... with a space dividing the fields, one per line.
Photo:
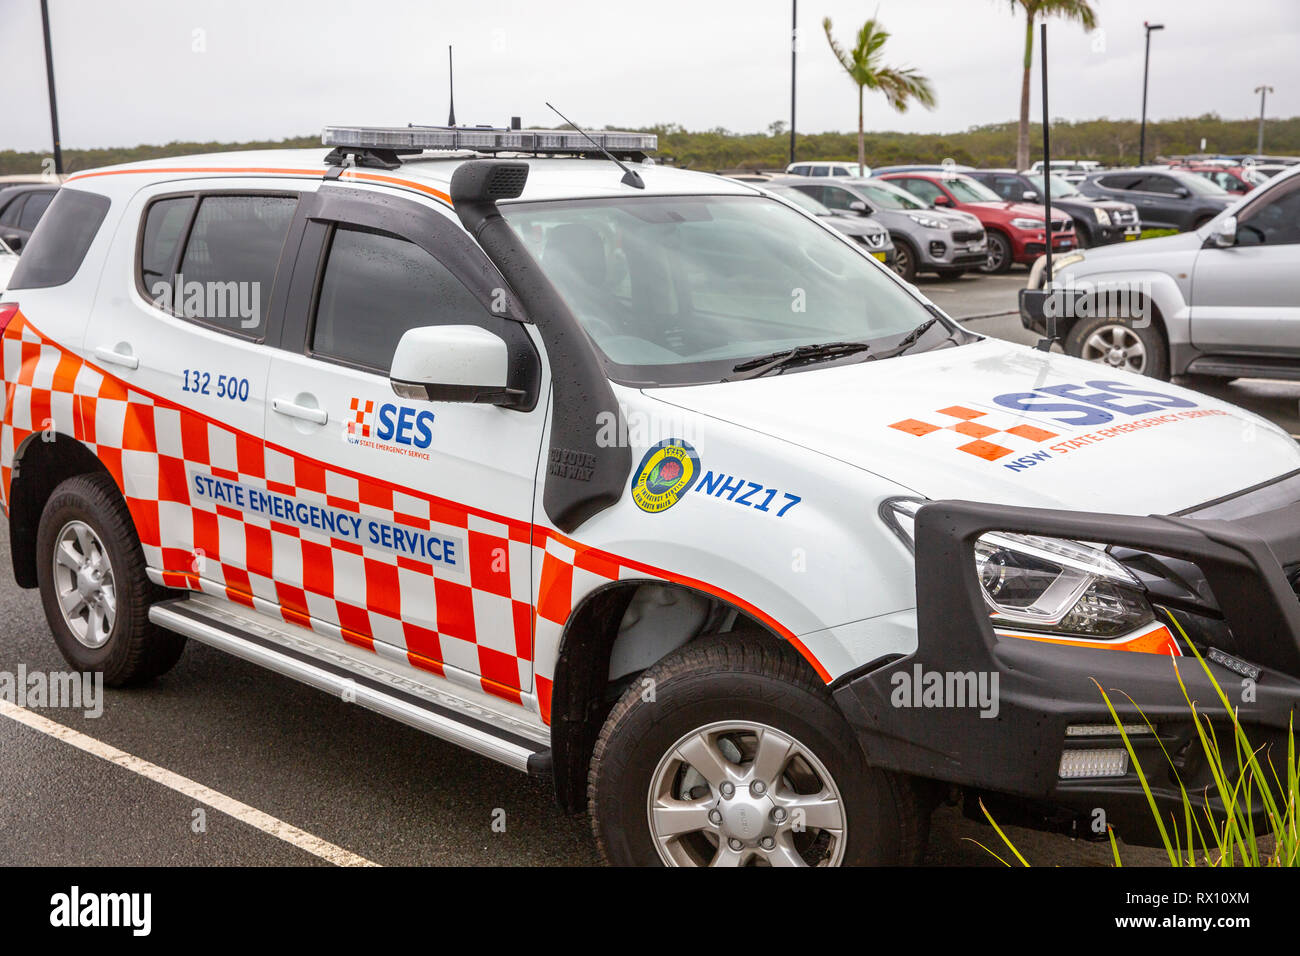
x=997 y=422
x=1136 y=256
x=854 y=225
x=1016 y=209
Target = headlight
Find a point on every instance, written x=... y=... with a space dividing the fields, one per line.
x=1027 y=224
x=1103 y=217
x=1059 y=264
x=1045 y=584
x=927 y=221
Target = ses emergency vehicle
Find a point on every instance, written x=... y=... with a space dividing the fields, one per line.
x=633 y=477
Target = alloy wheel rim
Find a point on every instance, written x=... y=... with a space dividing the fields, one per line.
x=743 y=793
x=1117 y=346
x=84 y=584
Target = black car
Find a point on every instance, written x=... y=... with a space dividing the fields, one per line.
x=1097 y=222
x=21 y=208
x=1165 y=198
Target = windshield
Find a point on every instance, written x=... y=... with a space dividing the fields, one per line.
x=802 y=200
x=1200 y=186
x=965 y=189
x=1060 y=188
x=887 y=196
x=678 y=290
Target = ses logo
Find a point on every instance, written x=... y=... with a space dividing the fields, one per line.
x=400 y=429
x=667 y=472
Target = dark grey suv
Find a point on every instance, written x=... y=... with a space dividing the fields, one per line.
x=1165 y=198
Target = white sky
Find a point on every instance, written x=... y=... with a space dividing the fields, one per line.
x=128 y=71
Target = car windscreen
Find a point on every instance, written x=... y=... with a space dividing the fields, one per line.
x=1200 y=186
x=1060 y=188
x=966 y=189
x=887 y=196
x=678 y=290
x=801 y=199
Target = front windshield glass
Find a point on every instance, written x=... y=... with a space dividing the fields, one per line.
x=966 y=189
x=1201 y=186
x=677 y=290
x=802 y=200
x=1060 y=188
x=887 y=196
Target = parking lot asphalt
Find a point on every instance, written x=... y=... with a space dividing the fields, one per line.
x=368 y=785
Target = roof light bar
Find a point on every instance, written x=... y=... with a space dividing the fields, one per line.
x=486 y=139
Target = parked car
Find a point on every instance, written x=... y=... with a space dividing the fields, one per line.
x=1166 y=198
x=1071 y=170
x=1016 y=230
x=1223 y=300
x=921 y=168
x=1231 y=179
x=862 y=229
x=1097 y=222
x=926 y=240
x=21 y=208
x=8 y=262
x=826 y=169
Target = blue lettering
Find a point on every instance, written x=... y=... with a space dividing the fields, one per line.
x=404 y=423
x=709 y=483
x=1100 y=399
x=727 y=486
x=1030 y=402
x=1165 y=401
x=424 y=430
x=385 y=430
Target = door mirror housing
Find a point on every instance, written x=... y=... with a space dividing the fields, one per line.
x=941 y=200
x=1182 y=192
x=454 y=363
x=1225 y=233
x=859 y=207
x=1029 y=196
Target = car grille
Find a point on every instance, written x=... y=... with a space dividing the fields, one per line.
x=1060 y=225
x=874 y=240
x=967 y=235
x=1124 y=217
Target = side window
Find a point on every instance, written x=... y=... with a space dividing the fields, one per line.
x=55 y=251
x=832 y=197
x=9 y=215
x=164 y=228
x=34 y=209
x=1120 y=181
x=922 y=189
x=374 y=288
x=841 y=171
x=820 y=171
x=230 y=261
x=1274 y=220
x=1158 y=184
x=1008 y=187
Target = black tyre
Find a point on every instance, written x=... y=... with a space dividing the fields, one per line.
x=1082 y=238
x=96 y=595
x=738 y=757
x=905 y=261
x=999 y=259
x=1121 y=344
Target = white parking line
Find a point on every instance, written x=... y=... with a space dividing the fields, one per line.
x=195 y=791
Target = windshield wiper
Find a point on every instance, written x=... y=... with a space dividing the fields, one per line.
x=911 y=338
x=800 y=353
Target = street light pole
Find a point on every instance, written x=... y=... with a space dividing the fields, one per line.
x=1146 y=68
x=1263 y=91
x=49 y=78
x=794 y=49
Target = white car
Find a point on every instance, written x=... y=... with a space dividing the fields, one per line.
x=1222 y=300
x=827 y=169
x=630 y=477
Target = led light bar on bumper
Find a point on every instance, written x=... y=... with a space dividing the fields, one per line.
x=488 y=139
x=1047 y=584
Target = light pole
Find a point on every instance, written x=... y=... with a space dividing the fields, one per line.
x=49 y=78
x=1263 y=91
x=794 y=50
x=1146 y=67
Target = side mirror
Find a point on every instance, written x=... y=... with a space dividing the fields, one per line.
x=859 y=207
x=453 y=363
x=1225 y=233
x=941 y=200
x=1182 y=192
x=13 y=240
x=1029 y=196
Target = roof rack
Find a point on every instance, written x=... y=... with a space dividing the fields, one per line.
x=383 y=146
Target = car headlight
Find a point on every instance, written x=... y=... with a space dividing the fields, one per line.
x=1103 y=217
x=1061 y=263
x=1044 y=584
x=1027 y=224
x=927 y=221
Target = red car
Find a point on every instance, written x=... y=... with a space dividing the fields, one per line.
x=1235 y=179
x=1015 y=230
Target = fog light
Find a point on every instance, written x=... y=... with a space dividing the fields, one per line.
x=938 y=248
x=1102 y=730
x=1093 y=763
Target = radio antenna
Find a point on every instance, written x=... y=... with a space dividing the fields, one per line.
x=630 y=176
x=1045 y=344
x=451 y=90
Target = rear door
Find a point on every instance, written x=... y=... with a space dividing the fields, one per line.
x=400 y=525
x=1246 y=298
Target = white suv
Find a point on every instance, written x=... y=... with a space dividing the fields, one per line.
x=630 y=477
x=826 y=169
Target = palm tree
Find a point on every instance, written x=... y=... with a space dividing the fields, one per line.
x=863 y=66
x=1078 y=10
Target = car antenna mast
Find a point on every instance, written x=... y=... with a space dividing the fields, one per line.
x=1045 y=343
x=451 y=89
x=630 y=176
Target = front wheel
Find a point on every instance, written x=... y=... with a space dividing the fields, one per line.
x=1119 y=343
x=905 y=263
x=999 y=259
x=728 y=753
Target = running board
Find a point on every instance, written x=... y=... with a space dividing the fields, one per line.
x=1240 y=366
x=408 y=704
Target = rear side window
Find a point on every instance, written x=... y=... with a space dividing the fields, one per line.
x=35 y=207
x=376 y=287
x=214 y=264
x=54 y=253
x=12 y=210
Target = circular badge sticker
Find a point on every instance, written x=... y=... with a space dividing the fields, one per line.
x=667 y=472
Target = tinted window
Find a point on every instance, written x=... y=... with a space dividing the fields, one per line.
x=820 y=171
x=920 y=188
x=164 y=228
x=230 y=258
x=799 y=171
x=1273 y=221
x=375 y=288
x=837 y=198
x=1121 y=181
x=1008 y=187
x=34 y=209
x=1158 y=184
x=54 y=253
x=840 y=171
x=9 y=215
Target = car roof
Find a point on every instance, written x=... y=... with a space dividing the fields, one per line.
x=11 y=191
x=429 y=173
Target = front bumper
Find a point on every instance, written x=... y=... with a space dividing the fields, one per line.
x=1042 y=689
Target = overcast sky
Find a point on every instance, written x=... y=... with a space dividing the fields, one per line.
x=151 y=71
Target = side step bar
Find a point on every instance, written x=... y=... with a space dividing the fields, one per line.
x=187 y=618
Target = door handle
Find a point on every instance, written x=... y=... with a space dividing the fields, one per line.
x=120 y=355
x=317 y=416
